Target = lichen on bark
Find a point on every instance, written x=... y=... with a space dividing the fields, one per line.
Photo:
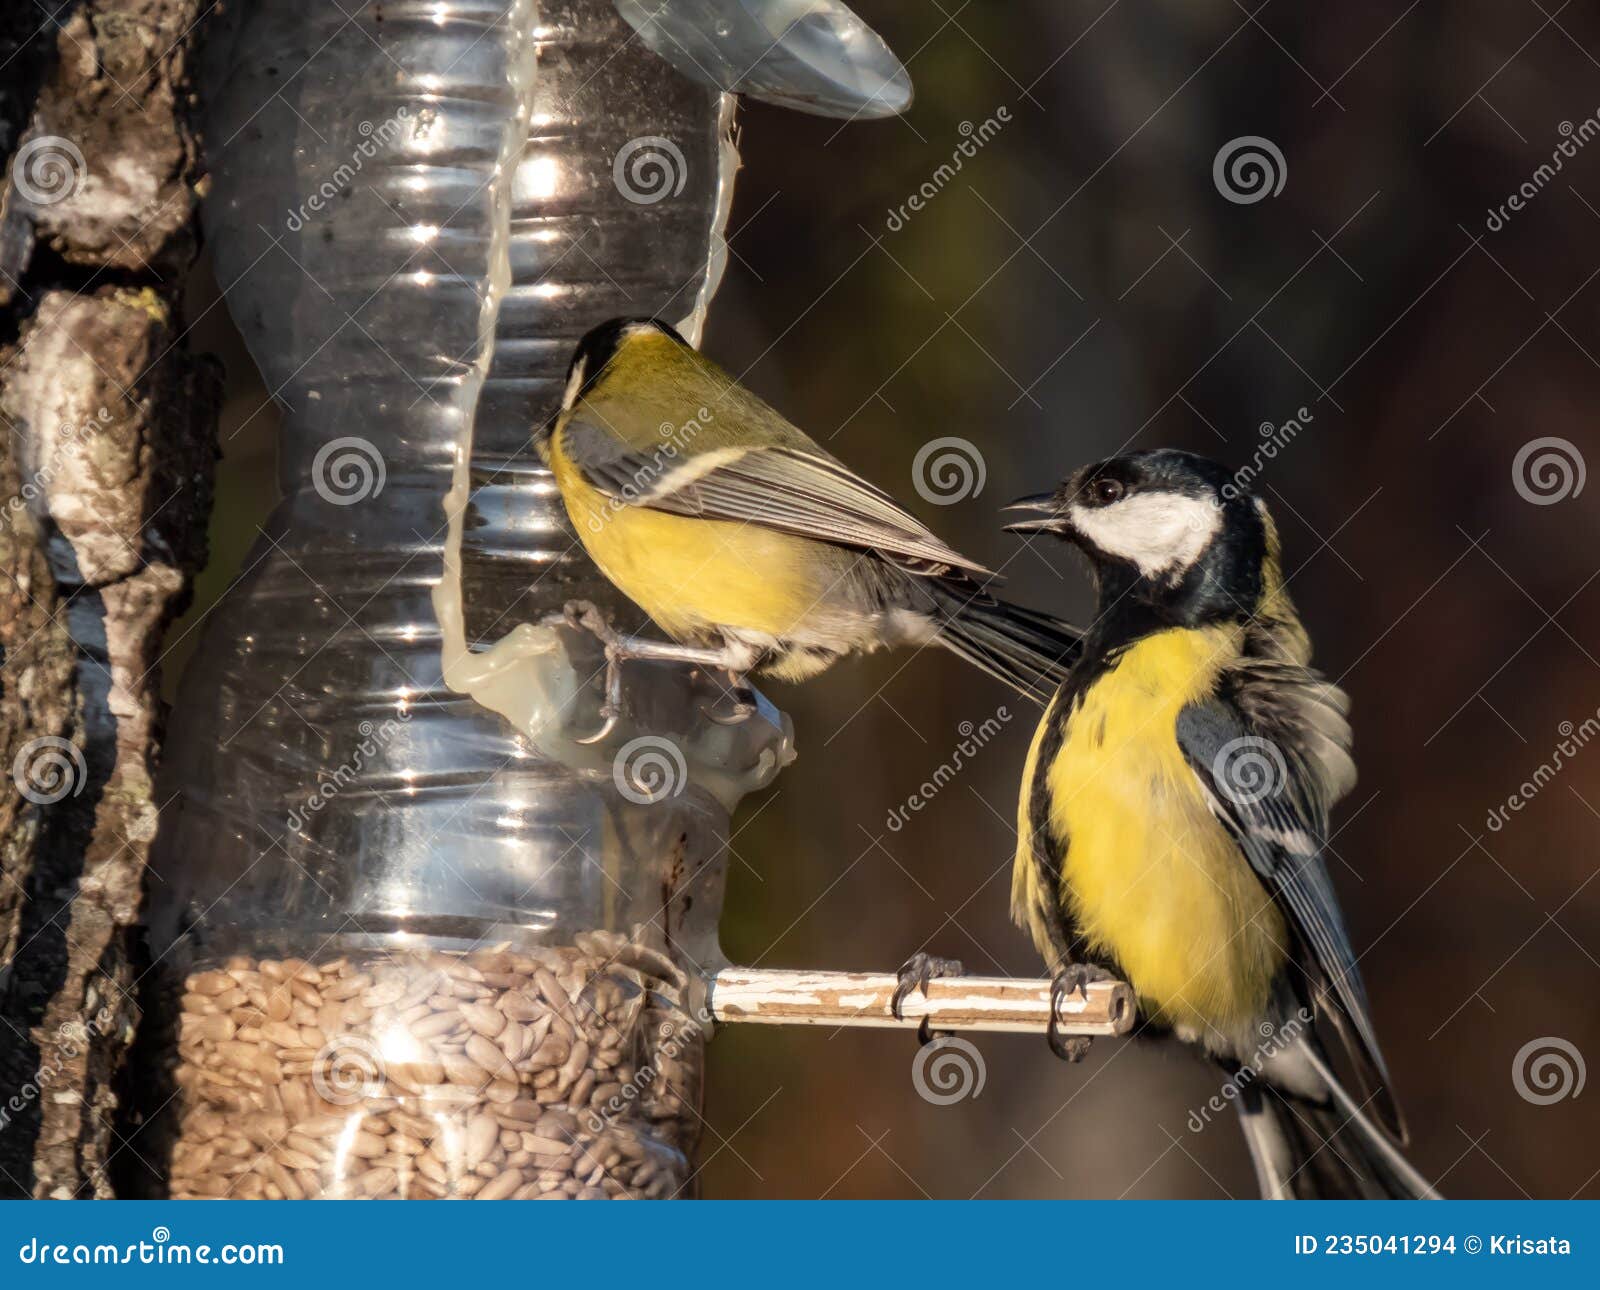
x=105 y=470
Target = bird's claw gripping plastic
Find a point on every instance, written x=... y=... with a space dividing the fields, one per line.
x=586 y=616
x=744 y=703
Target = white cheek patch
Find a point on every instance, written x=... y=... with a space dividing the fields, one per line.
x=574 y=384
x=1159 y=532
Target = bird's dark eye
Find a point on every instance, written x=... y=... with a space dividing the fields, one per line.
x=1105 y=491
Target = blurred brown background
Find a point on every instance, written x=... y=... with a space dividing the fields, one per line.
x=1081 y=286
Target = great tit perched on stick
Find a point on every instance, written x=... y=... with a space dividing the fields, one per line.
x=751 y=547
x=1174 y=809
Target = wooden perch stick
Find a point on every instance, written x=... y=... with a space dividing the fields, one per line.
x=758 y=996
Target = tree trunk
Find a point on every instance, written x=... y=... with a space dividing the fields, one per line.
x=105 y=474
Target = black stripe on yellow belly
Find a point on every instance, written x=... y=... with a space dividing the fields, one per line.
x=1149 y=879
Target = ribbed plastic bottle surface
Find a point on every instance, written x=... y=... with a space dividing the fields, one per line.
x=417 y=209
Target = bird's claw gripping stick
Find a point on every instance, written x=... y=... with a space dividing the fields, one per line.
x=1072 y=979
x=918 y=970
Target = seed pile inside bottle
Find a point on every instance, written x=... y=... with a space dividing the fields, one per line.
x=502 y=1074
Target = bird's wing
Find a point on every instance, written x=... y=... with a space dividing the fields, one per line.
x=1266 y=794
x=785 y=488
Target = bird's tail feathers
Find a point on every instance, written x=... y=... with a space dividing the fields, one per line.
x=1372 y=1075
x=1029 y=651
x=1328 y=1150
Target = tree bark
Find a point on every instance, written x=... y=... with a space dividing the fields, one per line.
x=105 y=474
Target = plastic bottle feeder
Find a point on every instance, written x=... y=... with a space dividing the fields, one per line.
x=420 y=939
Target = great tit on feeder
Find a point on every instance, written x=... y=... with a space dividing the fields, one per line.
x=745 y=542
x=1174 y=809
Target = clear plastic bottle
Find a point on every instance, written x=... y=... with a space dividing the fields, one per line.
x=416 y=948
x=813 y=55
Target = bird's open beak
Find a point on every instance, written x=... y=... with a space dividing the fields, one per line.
x=1038 y=502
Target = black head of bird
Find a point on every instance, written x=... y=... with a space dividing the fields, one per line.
x=1165 y=532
